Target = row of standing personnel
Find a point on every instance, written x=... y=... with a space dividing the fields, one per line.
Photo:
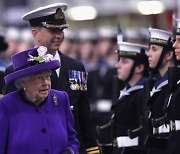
x=148 y=102
x=145 y=119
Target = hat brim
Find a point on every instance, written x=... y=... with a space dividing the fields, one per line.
x=32 y=70
x=44 y=11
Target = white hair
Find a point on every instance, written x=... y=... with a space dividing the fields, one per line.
x=18 y=82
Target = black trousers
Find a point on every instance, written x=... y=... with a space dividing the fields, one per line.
x=174 y=143
x=157 y=144
x=128 y=150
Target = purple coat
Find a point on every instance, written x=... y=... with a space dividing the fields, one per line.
x=30 y=129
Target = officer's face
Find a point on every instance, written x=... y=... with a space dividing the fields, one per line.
x=176 y=45
x=51 y=38
x=37 y=86
x=154 y=54
x=123 y=67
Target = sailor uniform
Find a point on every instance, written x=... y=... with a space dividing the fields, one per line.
x=173 y=107
x=29 y=129
x=128 y=111
x=157 y=142
x=158 y=96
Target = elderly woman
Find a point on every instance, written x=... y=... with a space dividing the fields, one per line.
x=36 y=119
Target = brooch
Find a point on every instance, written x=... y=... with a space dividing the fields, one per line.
x=54 y=97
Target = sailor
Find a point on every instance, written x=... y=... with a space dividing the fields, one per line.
x=161 y=58
x=173 y=105
x=132 y=69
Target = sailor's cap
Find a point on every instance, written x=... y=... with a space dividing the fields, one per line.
x=87 y=34
x=107 y=32
x=137 y=34
x=133 y=50
x=70 y=34
x=13 y=33
x=50 y=16
x=159 y=37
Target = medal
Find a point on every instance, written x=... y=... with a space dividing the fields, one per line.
x=73 y=86
x=78 y=80
x=77 y=86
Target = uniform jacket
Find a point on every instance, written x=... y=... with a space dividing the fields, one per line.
x=172 y=109
x=158 y=96
x=128 y=110
x=31 y=129
x=173 y=106
x=78 y=101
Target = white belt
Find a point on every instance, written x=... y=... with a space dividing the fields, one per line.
x=104 y=105
x=162 y=129
x=175 y=125
x=125 y=141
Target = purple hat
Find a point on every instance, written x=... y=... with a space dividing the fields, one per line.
x=31 y=61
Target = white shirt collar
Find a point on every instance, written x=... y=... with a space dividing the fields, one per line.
x=57 y=57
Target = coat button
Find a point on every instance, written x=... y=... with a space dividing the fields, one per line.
x=43 y=130
x=45 y=151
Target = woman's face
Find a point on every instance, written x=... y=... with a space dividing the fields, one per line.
x=154 y=55
x=37 y=86
x=123 y=67
x=176 y=45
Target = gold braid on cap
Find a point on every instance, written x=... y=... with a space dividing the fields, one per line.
x=55 y=26
x=160 y=41
x=127 y=53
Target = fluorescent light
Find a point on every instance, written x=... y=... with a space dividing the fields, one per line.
x=150 y=7
x=82 y=13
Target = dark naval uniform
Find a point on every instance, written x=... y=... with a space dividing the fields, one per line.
x=78 y=99
x=127 y=113
x=30 y=129
x=157 y=96
x=100 y=93
x=157 y=142
x=172 y=109
x=100 y=90
x=71 y=72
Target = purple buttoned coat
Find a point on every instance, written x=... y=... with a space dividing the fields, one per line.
x=30 y=129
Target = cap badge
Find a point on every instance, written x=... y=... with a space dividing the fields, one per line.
x=59 y=14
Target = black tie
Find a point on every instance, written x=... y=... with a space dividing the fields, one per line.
x=54 y=79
